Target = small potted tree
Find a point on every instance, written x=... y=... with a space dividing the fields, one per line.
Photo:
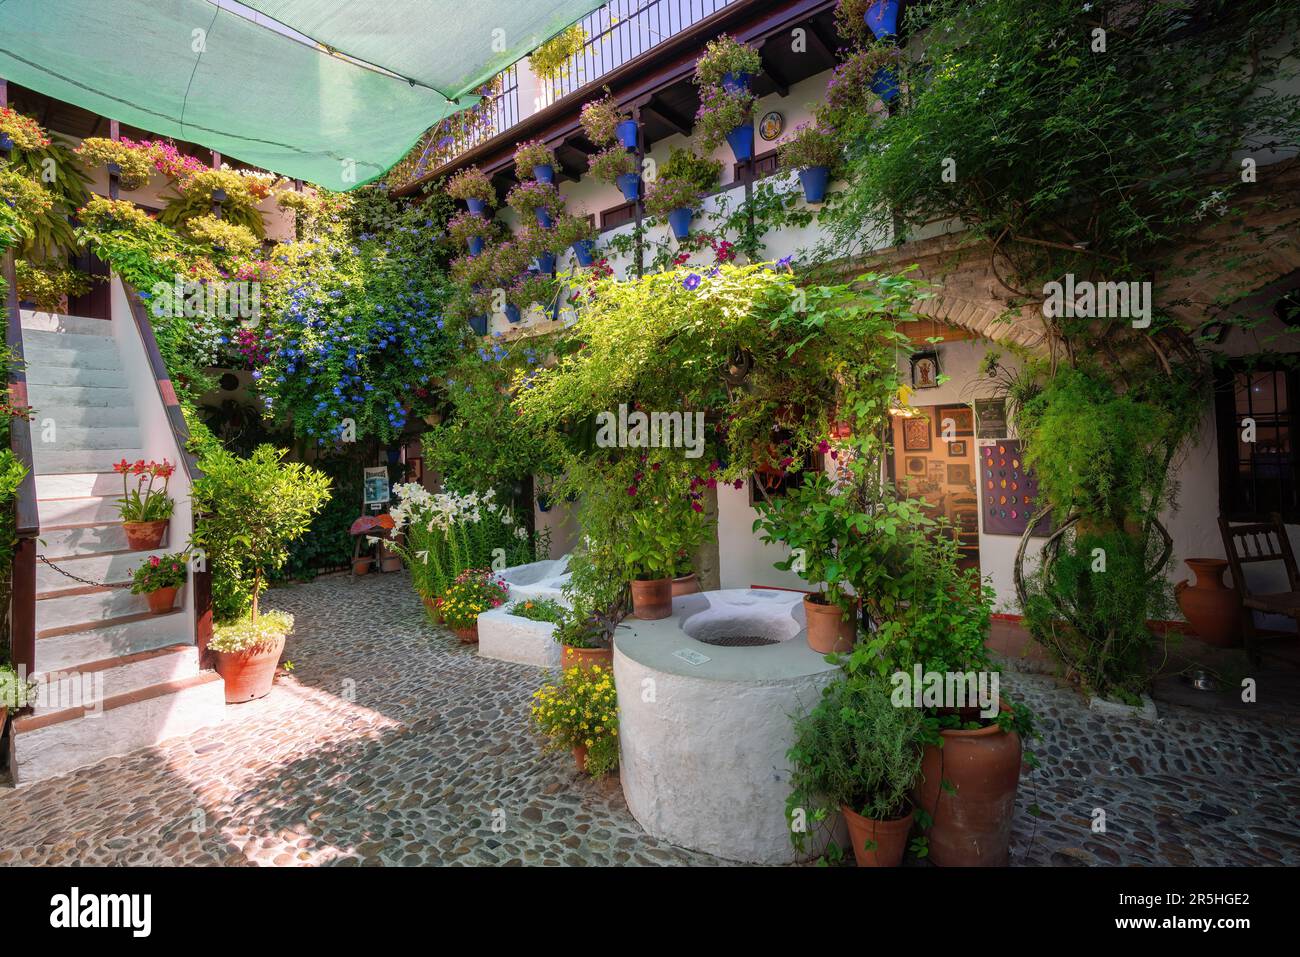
x=252 y=509
x=859 y=754
x=146 y=509
x=473 y=187
x=617 y=166
x=159 y=579
x=814 y=150
x=536 y=160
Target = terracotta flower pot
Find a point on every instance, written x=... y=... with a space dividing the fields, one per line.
x=686 y=585
x=972 y=824
x=580 y=758
x=652 y=600
x=162 y=600
x=1210 y=607
x=584 y=658
x=468 y=636
x=889 y=837
x=249 y=674
x=143 y=536
x=827 y=630
x=360 y=566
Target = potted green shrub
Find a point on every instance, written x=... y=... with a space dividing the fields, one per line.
x=578 y=712
x=724 y=115
x=536 y=160
x=159 y=579
x=598 y=600
x=674 y=199
x=473 y=592
x=146 y=510
x=858 y=753
x=617 y=166
x=473 y=187
x=728 y=63
x=814 y=150
x=251 y=510
x=662 y=523
x=536 y=198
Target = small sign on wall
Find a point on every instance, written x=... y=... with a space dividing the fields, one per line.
x=991 y=418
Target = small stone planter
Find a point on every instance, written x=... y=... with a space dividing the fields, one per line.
x=508 y=637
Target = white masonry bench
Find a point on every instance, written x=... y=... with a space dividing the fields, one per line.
x=706 y=699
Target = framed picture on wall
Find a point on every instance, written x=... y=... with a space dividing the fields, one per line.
x=957 y=449
x=959 y=474
x=916 y=465
x=916 y=435
x=961 y=416
x=925 y=370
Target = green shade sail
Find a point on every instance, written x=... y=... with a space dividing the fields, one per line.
x=195 y=71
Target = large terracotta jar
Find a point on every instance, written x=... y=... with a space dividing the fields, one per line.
x=144 y=536
x=686 y=585
x=580 y=758
x=584 y=658
x=889 y=838
x=972 y=817
x=828 y=631
x=1210 y=607
x=468 y=636
x=161 y=600
x=652 y=600
x=248 y=674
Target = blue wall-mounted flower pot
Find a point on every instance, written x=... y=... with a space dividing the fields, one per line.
x=882 y=18
x=736 y=82
x=512 y=312
x=546 y=263
x=544 y=173
x=478 y=324
x=475 y=244
x=814 y=180
x=630 y=184
x=884 y=83
x=627 y=134
x=543 y=503
x=477 y=206
x=543 y=217
x=585 y=250
x=741 y=141
x=6 y=142
x=680 y=221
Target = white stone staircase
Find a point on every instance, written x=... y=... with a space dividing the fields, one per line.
x=114 y=677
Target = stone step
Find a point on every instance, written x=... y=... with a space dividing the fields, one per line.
x=49 y=462
x=78 y=484
x=41 y=394
x=110 y=640
x=89 y=683
x=81 y=510
x=87 y=416
x=102 y=355
x=60 y=543
x=78 y=376
x=71 y=438
x=52 y=322
x=47 y=745
x=109 y=568
x=75 y=612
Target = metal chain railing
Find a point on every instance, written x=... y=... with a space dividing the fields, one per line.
x=78 y=578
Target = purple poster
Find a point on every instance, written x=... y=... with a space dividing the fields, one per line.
x=1008 y=491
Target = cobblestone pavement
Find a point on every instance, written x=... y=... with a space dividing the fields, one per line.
x=394 y=744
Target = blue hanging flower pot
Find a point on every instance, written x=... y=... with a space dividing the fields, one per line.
x=585 y=250
x=630 y=184
x=478 y=324
x=741 y=141
x=680 y=221
x=546 y=263
x=543 y=217
x=885 y=84
x=544 y=173
x=475 y=245
x=814 y=180
x=512 y=312
x=6 y=142
x=476 y=206
x=882 y=18
x=735 y=83
x=627 y=134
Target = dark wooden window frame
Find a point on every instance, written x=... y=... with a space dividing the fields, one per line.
x=1234 y=502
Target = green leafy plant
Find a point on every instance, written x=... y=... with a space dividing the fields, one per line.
x=666 y=194
x=15 y=692
x=250 y=509
x=195 y=194
x=580 y=709
x=723 y=55
x=548 y=60
x=530 y=154
x=473 y=183
x=810 y=145
x=55 y=168
x=608 y=165
x=538 y=609
x=685 y=164
x=48 y=285
x=145 y=503
x=167 y=571
x=570 y=229
x=234 y=241
x=854 y=749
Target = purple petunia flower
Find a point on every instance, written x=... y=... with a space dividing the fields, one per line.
x=691 y=282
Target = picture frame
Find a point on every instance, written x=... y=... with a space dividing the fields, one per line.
x=916 y=465
x=991 y=418
x=959 y=474
x=957 y=449
x=916 y=435
x=962 y=416
x=771 y=125
x=374 y=484
x=925 y=369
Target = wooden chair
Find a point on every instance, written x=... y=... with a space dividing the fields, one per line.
x=1256 y=543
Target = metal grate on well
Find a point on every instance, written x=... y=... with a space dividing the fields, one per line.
x=738 y=641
